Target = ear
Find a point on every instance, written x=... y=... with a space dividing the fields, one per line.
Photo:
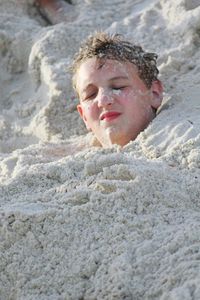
x=157 y=93
x=81 y=113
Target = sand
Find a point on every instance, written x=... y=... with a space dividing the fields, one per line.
x=82 y=222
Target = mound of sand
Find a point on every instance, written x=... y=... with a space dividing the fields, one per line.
x=78 y=221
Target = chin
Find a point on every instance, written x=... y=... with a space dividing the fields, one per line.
x=115 y=140
x=113 y=136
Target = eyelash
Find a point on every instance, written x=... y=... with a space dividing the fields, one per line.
x=118 y=88
x=90 y=97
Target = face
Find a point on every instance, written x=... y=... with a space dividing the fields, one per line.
x=114 y=102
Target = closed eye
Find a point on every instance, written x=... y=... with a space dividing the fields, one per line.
x=118 y=88
x=89 y=97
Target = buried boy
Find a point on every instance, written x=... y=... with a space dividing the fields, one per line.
x=117 y=86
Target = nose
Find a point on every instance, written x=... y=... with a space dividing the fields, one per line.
x=105 y=99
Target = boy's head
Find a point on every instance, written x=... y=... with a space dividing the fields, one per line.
x=116 y=82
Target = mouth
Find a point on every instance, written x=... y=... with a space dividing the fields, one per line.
x=109 y=116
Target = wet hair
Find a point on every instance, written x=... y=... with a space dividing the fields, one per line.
x=105 y=46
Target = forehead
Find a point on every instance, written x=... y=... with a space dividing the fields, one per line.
x=94 y=69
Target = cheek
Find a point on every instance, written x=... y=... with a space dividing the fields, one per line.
x=134 y=97
x=90 y=111
x=134 y=93
x=126 y=97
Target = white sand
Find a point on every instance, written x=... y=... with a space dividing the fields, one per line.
x=98 y=224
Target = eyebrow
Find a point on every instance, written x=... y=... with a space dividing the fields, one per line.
x=118 y=78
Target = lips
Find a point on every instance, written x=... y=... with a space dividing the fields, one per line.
x=108 y=116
